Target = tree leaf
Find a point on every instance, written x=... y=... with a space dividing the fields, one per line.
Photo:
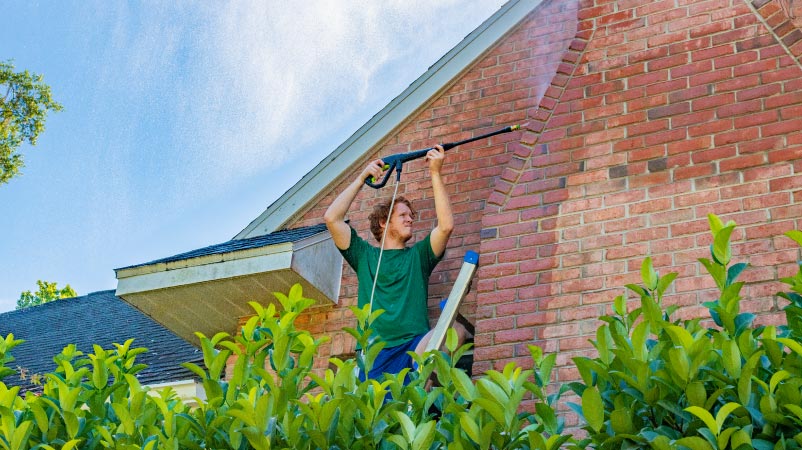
x=463 y=384
x=620 y=305
x=593 y=408
x=648 y=274
x=792 y=344
x=469 y=426
x=715 y=223
x=705 y=416
x=425 y=436
x=723 y=413
x=721 y=245
x=734 y=271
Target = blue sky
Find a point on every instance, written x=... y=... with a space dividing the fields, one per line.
x=183 y=121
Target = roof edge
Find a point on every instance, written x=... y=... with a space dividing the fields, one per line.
x=296 y=199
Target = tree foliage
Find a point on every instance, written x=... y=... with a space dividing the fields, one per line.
x=47 y=292
x=24 y=103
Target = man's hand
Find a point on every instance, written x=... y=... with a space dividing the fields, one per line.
x=435 y=157
x=374 y=169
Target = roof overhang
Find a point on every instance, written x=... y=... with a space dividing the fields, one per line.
x=211 y=293
x=396 y=114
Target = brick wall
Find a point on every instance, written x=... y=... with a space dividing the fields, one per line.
x=674 y=110
x=500 y=90
x=642 y=117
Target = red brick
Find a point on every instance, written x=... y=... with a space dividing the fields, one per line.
x=787 y=154
x=647 y=78
x=791 y=98
x=695 y=118
x=693 y=68
x=654 y=205
x=682 y=173
x=739 y=108
x=736 y=136
x=713 y=101
x=761 y=92
x=713 y=52
x=647 y=102
x=738 y=83
x=670 y=189
x=784 y=127
x=648 y=127
x=696 y=198
x=787 y=183
x=767 y=201
x=706 y=27
x=689 y=93
x=710 y=77
x=735 y=60
x=670 y=110
x=717 y=126
x=791 y=112
x=782 y=74
x=756 y=119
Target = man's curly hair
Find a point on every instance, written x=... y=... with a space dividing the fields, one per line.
x=382 y=211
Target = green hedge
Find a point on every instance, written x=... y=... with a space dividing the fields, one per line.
x=661 y=383
x=274 y=400
x=656 y=383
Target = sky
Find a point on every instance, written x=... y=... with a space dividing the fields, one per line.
x=183 y=121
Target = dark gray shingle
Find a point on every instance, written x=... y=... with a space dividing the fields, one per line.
x=99 y=318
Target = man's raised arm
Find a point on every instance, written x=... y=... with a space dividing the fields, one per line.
x=442 y=205
x=335 y=214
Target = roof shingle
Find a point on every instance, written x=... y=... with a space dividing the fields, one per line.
x=98 y=318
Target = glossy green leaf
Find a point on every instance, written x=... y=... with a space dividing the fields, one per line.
x=463 y=383
x=648 y=274
x=593 y=408
x=469 y=426
x=696 y=393
x=705 y=416
x=731 y=357
x=715 y=223
x=792 y=344
x=620 y=305
x=425 y=436
x=721 y=245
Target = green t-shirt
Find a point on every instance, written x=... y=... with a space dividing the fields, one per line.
x=402 y=290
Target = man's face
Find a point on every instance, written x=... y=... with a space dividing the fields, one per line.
x=401 y=222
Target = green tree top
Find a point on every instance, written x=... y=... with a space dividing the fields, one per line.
x=47 y=292
x=24 y=102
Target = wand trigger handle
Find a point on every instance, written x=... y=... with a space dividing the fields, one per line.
x=371 y=181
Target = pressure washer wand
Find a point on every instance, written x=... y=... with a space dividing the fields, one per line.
x=395 y=162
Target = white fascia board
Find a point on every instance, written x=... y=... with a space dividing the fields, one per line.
x=187 y=390
x=301 y=195
x=205 y=272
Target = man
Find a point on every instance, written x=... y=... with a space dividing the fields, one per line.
x=402 y=286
